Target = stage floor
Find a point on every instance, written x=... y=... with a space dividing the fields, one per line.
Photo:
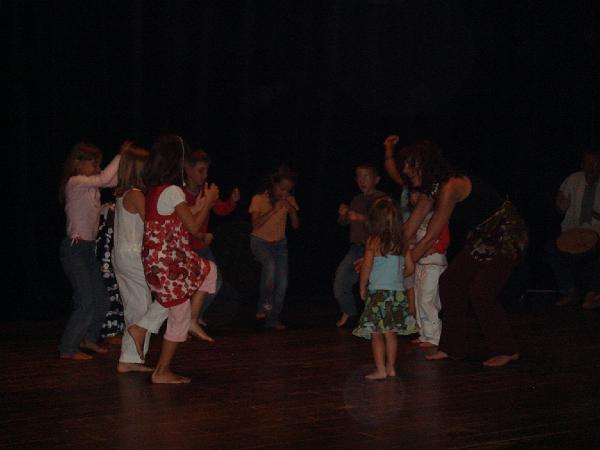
x=304 y=388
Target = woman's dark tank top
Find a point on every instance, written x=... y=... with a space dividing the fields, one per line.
x=481 y=203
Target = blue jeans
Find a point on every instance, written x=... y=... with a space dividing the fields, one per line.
x=273 y=256
x=207 y=254
x=90 y=298
x=345 y=278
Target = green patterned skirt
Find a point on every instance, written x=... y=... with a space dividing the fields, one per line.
x=385 y=311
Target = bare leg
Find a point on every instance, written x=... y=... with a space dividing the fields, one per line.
x=391 y=350
x=162 y=374
x=123 y=367
x=195 y=328
x=138 y=334
x=343 y=320
x=378 y=346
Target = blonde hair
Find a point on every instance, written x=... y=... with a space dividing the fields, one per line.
x=130 y=171
x=384 y=226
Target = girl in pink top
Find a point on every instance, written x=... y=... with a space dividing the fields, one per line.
x=80 y=193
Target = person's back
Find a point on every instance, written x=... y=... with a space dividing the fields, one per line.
x=386 y=273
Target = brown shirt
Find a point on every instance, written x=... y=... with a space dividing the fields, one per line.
x=360 y=204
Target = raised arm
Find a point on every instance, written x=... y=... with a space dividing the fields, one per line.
x=389 y=160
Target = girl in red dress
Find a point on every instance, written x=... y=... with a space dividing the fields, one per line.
x=178 y=278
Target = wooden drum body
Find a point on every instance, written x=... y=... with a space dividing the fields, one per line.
x=579 y=244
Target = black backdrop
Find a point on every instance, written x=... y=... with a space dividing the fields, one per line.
x=509 y=89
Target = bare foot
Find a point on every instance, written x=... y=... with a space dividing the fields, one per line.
x=426 y=344
x=500 y=360
x=133 y=367
x=77 y=356
x=113 y=340
x=87 y=345
x=391 y=371
x=169 y=378
x=197 y=331
x=437 y=356
x=138 y=334
x=202 y=322
x=377 y=375
x=279 y=326
x=260 y=316
x=343 y=320
x=416 y=341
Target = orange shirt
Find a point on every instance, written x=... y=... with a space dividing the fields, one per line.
x=274 y=228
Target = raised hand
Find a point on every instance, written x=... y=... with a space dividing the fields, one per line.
x=124 y=146
x=389 y=144
x=211 y=193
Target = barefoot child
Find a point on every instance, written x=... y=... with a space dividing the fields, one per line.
x=385 y=264
x=196 y=171
x=354 y=215
x=270 y=211
x=127 y=253
x=178 y=278
x=80 y=193
x=428 y=270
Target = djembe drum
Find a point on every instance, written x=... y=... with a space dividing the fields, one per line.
x=579 y=244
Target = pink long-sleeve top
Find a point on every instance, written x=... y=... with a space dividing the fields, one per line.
x=82 y=201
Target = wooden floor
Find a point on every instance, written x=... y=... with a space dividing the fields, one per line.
x=304 y=388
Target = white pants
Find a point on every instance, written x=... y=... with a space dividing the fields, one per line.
x=427 y=301
x=137 y=302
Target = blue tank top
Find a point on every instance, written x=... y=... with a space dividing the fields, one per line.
x=386 y=273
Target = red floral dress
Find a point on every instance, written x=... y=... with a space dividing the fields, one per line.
x=173 y=271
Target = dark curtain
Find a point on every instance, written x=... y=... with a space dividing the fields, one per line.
x=510 y=90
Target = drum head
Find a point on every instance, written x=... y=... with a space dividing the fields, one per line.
x=577 y=241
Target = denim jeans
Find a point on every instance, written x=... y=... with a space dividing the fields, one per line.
x=90 y=298
x=207 y=254
x=345 y=278
x=273 y=256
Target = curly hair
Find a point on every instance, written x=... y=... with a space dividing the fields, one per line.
x=426 y=158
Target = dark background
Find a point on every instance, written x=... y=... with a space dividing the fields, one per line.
x=509 y=89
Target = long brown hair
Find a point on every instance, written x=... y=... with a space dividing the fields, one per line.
x=385 y=225
x=165 y=163
x=130 y=171
x=81 y=151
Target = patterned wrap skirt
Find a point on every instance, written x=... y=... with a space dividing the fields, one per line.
x=385 y=311
x=503 y=233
